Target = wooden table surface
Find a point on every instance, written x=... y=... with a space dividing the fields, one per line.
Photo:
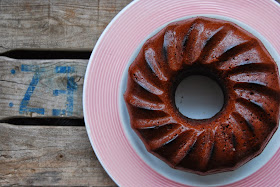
x=44 y=51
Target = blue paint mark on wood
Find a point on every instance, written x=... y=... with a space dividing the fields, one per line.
x=71 y=88
x=23 y=105
x=31 y=68
x=13 y=71
x=11 y=104
x=59 y=92
x=58 y=112
x=69 y=92
x=64 y=69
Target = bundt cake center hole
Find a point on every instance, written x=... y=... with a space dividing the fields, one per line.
x=199 y=97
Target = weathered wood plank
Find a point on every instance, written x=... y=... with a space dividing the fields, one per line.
x=32 y=155
x=45 y=88
x=55 y=24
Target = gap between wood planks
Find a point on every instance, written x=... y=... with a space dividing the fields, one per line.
x=44 y=121
x=46 y=54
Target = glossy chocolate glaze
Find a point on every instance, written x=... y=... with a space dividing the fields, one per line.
x=233 y=57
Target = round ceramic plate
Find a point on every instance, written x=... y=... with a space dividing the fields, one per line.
x=118 y=148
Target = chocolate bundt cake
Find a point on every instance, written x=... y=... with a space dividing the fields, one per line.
x=241 y=65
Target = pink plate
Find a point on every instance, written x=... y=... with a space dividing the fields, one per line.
x=108 y=63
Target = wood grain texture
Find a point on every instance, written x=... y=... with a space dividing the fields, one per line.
x=55 y=24
x=31 y=155
x=15 y=81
